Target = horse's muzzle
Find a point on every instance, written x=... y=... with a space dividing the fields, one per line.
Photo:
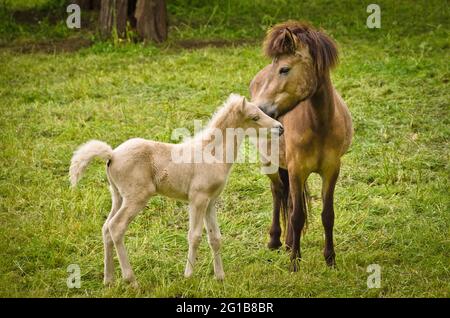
x=269 y=110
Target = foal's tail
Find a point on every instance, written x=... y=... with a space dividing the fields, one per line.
x=84 y=155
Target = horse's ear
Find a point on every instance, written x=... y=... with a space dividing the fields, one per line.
x=289 y=41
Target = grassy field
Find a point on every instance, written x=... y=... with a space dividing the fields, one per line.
x=392 y=199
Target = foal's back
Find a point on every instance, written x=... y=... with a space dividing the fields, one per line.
x=149 y=166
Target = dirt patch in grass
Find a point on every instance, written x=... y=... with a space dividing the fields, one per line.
x=76 y=43
x=49 y=47
x=198 y=44
x=35 y=16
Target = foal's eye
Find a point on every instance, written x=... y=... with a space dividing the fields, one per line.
x=255 y=118
x=284 y=70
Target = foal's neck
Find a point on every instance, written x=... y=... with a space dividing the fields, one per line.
x=323 y=102
x=230 y=148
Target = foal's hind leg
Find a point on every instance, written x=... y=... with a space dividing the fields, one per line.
x=214 y=239
x=107 y=240
x=118 y=225
x=197 y=210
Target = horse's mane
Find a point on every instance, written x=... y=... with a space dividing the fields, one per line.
x=322 y=48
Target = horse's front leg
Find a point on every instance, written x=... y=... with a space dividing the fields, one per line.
x=329 y=179
x=298 y=214
x=275 y=228
x=197 y=209
x=280 y=192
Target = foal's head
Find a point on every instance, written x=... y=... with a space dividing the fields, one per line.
x=301 y=56
x=248 y=115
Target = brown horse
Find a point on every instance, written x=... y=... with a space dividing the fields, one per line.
x=296 y=89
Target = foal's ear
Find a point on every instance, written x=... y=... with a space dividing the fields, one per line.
x=244 y=102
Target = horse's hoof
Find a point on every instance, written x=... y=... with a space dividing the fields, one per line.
x=295 y=264
x=294 y=267
x=108 y=282
x=330 y=259
x=274 y=245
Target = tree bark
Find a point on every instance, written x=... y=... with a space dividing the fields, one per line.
x=151 y=17
x=113 y=16
x=88 y=4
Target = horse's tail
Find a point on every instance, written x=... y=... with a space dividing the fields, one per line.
x=84 y=155
x=307 y=204
x=286 y=201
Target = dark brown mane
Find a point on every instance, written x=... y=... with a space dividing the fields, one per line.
x=322 y=48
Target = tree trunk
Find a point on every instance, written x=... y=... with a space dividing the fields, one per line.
x=113 y=16
x=151 y=17
x=88 y=4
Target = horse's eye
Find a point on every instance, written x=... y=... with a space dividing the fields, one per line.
x=256 y=118
x=284 y=70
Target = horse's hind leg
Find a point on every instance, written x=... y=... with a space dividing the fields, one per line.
x=328 y=184
x=298 y=214
x=107 y=240
x=214 y=239
x=118 y=225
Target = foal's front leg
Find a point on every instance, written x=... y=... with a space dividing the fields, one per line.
x=197 y=210
x=214 y=239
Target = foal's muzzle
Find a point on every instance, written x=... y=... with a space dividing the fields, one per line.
x=279 y=128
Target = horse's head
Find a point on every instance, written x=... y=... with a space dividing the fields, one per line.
x=301 y=56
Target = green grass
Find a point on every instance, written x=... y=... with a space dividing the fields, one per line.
x=392 y=199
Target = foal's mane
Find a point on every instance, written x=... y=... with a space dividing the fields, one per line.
x=323 y=49
x=222 y=117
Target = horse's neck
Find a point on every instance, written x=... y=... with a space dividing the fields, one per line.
x=323 y=102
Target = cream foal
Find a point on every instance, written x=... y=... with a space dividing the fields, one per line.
x=139 y=169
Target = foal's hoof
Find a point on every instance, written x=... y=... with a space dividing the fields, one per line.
x=108 y=282
x=188 y=273
x=131 y=282
x=219 y=276
x=134 y=284
x=274 y=244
